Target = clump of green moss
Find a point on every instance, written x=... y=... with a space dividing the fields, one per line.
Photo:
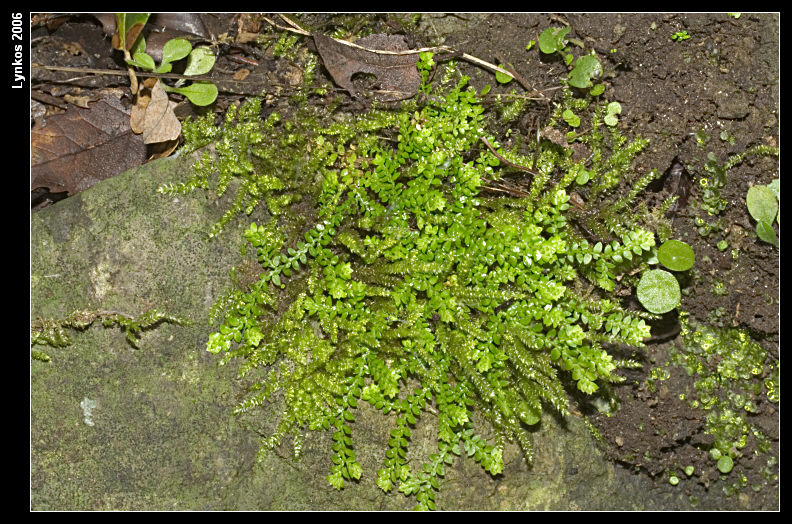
x=53 y=332
x=733 y=374
x=433 y=275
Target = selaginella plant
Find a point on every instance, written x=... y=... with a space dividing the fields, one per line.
x=423 y=284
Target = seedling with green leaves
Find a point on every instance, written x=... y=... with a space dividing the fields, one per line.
x=614 y=109
x=200 y=61
x=571 y=118
x=711 y=200
x=552 y=40
x=732 y=372
x=587 y=67
x=658 y=290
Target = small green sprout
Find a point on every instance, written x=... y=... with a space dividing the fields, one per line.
x=583 y=177
x=552 y=39
x=722 y=245
x=530 y=45
x=719 y=289
x=726 y=137
x=734 y=15
x=586 y=68
x=597 y=90
x=501 y=77
x=676 y=255
x=680 y=35
x=689 y=470
x=725 y=464
x=658 y=291
x=570 y=118
x=673 y=479
x=614 y=108
x=762 y=202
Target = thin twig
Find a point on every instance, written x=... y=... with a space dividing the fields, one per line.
x=519 y=78
x=118 y=72
x=515 y=192
x=297 y=29
x=508 y=163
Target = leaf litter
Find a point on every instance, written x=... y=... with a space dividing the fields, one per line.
x=81 y=147
x=152 y=116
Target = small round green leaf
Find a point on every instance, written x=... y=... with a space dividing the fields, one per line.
x=614 y=108
x=586 y=68
x=659 y=291
x=762 y=204
x=676 y=255
x=199 y=93
x=175 y=49
x=501 y=77
x=200 y=61
x=725 y=464
x=552 y=39
x=530 y=416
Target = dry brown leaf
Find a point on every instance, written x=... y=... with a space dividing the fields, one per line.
x=138 y=112
x=397 y=75
x=159 y=122
x=142 y=99
x=81 y=147
x=163 y=149
x=79 y=101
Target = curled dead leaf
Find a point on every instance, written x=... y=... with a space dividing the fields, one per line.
x=396 y=74
x=153 y=117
